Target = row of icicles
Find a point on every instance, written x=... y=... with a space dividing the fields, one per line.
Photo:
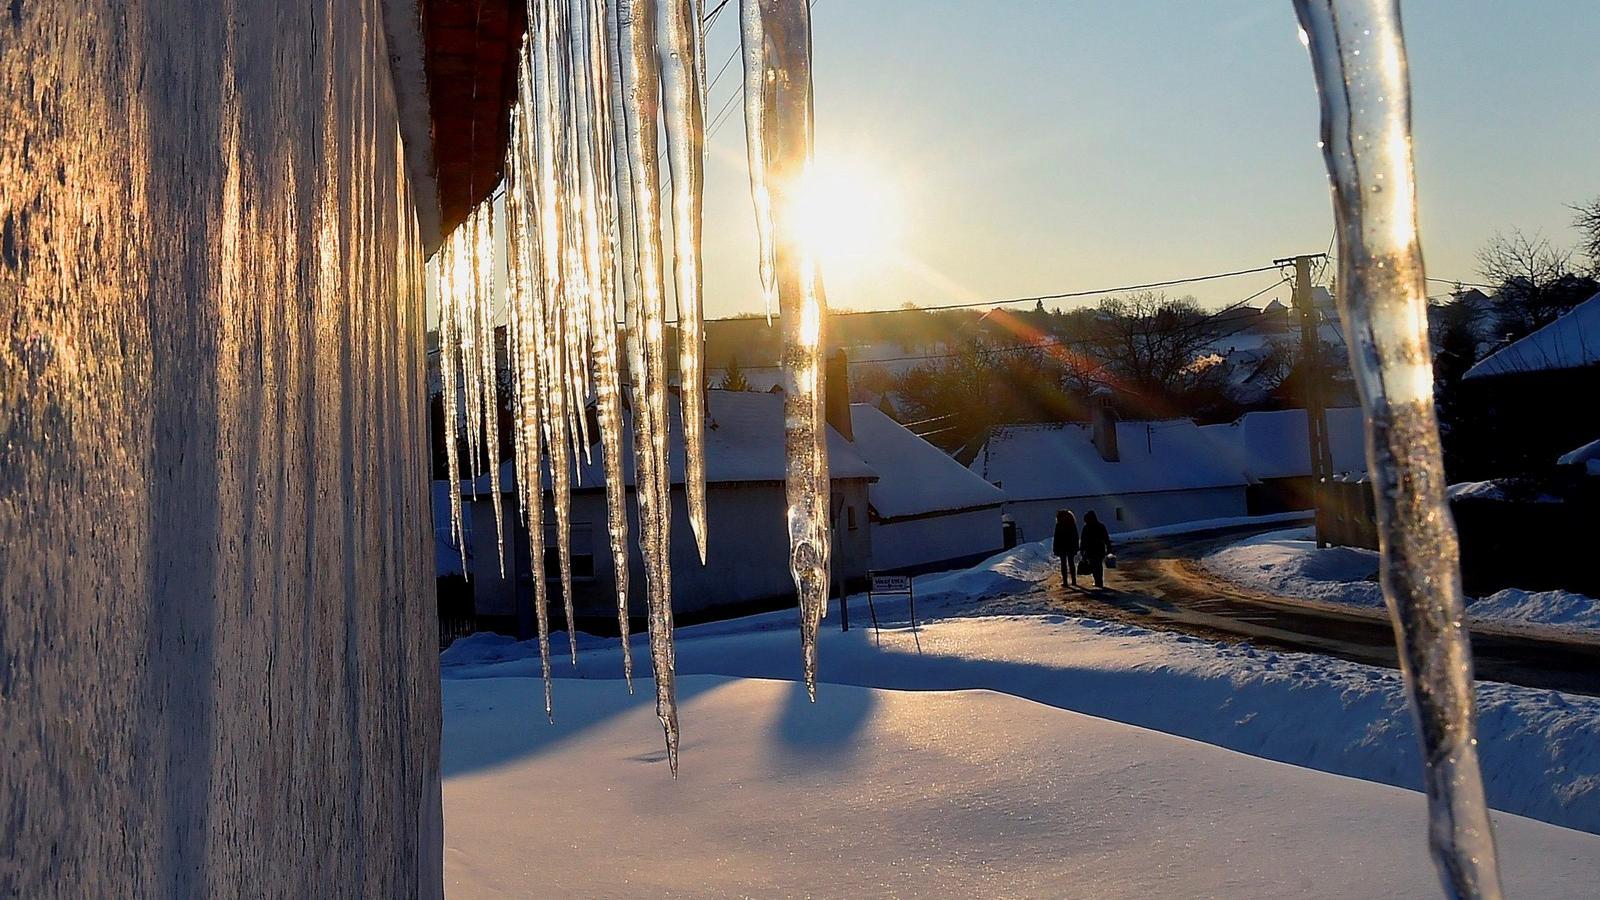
x=598 y=82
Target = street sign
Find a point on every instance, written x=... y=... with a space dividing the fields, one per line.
x=891 y=584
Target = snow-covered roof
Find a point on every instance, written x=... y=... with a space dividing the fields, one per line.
x=744 y=442
x=1273 y=444
x=914 y=477
x=1587 y=456
x=1048 y=461
x=1570 y=342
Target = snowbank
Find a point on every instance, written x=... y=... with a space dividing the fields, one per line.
x=1288 y=563
x=1007 y=572
x=1558 y=608
x=877 y=793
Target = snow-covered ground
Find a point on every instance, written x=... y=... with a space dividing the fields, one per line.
x=1288 y=563
x=880 y=793
x=924 y=767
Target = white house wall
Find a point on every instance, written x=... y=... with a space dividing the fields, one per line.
x=220 y=659
x=1036 y=518
x=747 y=557
x=915 y=543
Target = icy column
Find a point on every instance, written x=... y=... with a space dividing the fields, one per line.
x=753 y=46
x=450 y=399
x=1358 y=53
x=776 y=36
x=526 y=283
x=640 y=84
x=555 y=339
x=601 y=200
x=483 y=255
x=682 y=95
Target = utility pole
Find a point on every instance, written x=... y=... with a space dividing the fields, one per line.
x=1310 y=355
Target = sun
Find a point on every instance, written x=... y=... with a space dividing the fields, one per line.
x=848 y=213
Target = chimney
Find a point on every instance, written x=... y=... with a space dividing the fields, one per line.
x=1105 y=426
x=836 y=394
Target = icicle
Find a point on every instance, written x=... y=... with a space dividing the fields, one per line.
x=484 y=294
x=777 y=54
x=600 y=200
x=524 y=243
x=682 y=95
x=556 y=374
x=753 y=41
x=640 y=82
x=450 y=399
x=1358 y=54
x=465 y=277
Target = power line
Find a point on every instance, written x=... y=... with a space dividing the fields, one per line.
x=710 y=16
x=1463 y=284
x=1064 y=295
x=1018 y=348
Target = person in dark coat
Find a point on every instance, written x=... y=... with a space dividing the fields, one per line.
x=1096 y=544
x=1065 y=546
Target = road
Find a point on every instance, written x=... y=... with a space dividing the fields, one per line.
x=1159 y=585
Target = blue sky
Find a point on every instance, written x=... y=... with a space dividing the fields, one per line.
x=1033 y=147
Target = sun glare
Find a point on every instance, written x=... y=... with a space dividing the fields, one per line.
x=848 y=213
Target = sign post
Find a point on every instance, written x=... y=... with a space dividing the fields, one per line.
x=892 y=584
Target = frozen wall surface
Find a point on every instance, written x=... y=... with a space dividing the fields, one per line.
x=218 y=674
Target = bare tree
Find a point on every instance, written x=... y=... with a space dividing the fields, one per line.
x=1153 y=348
x=1586 y=218
x=1534 y=279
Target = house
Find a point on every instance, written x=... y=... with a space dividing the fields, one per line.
x=1273 y=449
x=747 y=553
x=927 y=511
x=1132 y=474
x=1535 y=398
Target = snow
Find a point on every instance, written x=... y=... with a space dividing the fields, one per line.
x=1587 y=456
x=1477 y=490
x=914 y=477
x=1570 y=342
x=990 y=628
x=1288 y=564
x=876 y=793
x=1559 y=608
x=1273 y=444
x=744 y=442
x=1049 y=461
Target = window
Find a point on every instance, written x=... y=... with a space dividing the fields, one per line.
x=1119 y=514
x=582 y=552
x=850 y=517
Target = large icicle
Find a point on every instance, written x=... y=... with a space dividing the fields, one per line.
x=554 y=193
x=776 y=35
x=1358 y=53
x=527 y=286
x=682 y=92
x=601 y=201
x=753 y=45
x=483 y=252
x=640 y=83
x=450 y=398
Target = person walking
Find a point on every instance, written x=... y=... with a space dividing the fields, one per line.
x=1065 y=546
x=1096 y=545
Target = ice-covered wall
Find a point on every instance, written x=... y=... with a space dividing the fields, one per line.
x=217 y=665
